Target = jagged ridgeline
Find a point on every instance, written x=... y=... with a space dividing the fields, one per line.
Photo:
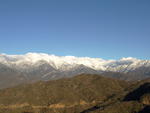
x=32 y=67
x=84 y=93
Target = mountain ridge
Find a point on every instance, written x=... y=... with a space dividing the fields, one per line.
x=69 y=62
x=84 y=93
x=33 y=67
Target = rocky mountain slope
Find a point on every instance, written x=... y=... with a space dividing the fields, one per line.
x=79 y=91
x=31 y=67
x=80 y=94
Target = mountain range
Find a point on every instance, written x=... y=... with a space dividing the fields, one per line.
x=85 y=93
x=31 y=67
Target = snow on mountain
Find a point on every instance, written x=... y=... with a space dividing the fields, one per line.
x=64 y=63
x=32 y=67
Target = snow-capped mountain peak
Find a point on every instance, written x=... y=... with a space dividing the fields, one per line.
x=33 y=67
x=68 y=62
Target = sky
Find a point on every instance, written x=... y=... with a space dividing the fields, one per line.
x=108 y=29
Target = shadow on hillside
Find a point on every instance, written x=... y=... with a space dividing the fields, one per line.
x=145 y=110
x=137 y=93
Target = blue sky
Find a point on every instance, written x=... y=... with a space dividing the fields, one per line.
x=108 y=29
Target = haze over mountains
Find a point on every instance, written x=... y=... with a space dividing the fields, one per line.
x=39 y=66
